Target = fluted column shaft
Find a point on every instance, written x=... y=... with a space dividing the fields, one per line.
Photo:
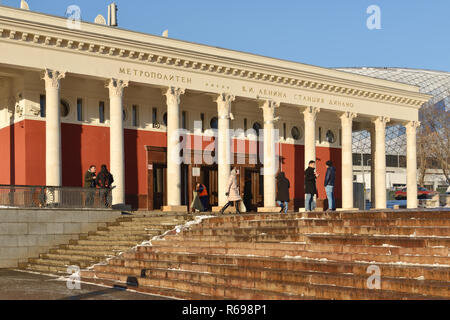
x=270 y=163
x=380 y=162
x=173 y=96
x=347 y=160
x=116 y=139
x=411 y=164
x=224 y=102
x=53 y=159
x=310 y=116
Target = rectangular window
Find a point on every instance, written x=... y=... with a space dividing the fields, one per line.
x=80 y=109
x=135 y=116
x=154 y=116
x=284 y=131
x=183 y=120
x=245 y=126
x=101 y=111
x=202 y=118
x=42 y=105
x=340 y=137
x=320 y=134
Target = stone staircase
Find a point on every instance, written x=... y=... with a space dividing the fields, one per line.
x=122 y=235
x=295 y=256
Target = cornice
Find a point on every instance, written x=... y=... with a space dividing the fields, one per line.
x=81 y=42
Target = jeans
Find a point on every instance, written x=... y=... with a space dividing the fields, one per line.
x=284 y=205
x=310 y=204
x=330 y=196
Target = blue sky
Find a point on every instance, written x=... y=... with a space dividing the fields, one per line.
x=329 y=33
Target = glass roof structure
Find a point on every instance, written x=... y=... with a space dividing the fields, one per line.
x=435 y=83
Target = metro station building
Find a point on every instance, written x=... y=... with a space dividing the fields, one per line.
x=70 y=98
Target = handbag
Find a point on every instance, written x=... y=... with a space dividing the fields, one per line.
x=242 y=207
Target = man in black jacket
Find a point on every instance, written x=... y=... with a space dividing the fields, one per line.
x=104 y=181
x=90 y=183
x=310 y=186
x=283 y=186
x=330 y=179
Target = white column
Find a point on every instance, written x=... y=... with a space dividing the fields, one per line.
x=270 y=163
x=347 y=160
x=372 y=165
x=310 y=116
x=173 y=97
x=380 y=162
x=116 y=139
x=224 y=101
x=411 y=164
x=53 y=162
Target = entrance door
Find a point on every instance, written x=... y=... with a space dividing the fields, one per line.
x=209 y=177
x=253 y=189
x=159 y=181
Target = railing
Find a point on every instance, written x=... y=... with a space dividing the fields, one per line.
x=54 y=197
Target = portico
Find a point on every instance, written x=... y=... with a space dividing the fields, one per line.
x=155 y=95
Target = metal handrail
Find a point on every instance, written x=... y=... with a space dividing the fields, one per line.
x=26 y=196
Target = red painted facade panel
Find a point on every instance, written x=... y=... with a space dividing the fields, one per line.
x=84 y=145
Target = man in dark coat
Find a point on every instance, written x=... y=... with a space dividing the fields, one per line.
x=104 y=181
x=283 y=186
x=310 y=186
x=330 y=179
x=90 y=183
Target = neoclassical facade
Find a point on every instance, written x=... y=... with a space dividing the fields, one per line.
x=165 y=114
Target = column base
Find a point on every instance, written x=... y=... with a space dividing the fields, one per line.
x=174 y=209
x=350 y=209
x=302 y=210
x=269 y=209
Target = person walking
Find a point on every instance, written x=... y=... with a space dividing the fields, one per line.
x=104 y=181
x=330 y=179
x=90 y=183
x=310 y=186
x=203 y=195
x=283 y=186
x=232 y=193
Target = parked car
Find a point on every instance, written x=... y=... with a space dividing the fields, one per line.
x=422 y=193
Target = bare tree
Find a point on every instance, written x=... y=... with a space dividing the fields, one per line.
x=434 y=139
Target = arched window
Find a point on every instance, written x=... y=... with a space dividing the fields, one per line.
x=330 y=137
x=65 y=108
x=214 y=124
x=257 y=126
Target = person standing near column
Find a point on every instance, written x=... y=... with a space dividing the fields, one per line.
x=330 y=179
x=310 y=185
x=232 y=193
x=283 y=186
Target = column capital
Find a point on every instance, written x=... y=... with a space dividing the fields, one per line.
x=224 y=101
x=52 y=78
x=269 y=107
x=116 y=87
x=310 y=113
x=347 y=118
x=411 y=127
x=381 y=121
x=173 y=95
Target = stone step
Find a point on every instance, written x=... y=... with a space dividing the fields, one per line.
x=90 y=253
x=327 y=222
x=61 y=262
x=120 y=237
x=369 y=240
x=206 y=290
x=289 y=281
x=103 y=243
x=110 y=247
x=206 y=263
x=91 y=259
x=126 y=232
x=362 y=230
x=335 y=256
x=273 y=248
x=241 y=238
x=88 y=276
x=48 y=269
x=133 y=227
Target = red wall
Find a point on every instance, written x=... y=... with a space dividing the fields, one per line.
x=23 y=157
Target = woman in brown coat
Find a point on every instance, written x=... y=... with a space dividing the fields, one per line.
x=232 y=193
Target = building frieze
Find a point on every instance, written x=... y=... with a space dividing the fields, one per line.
x=150 y=57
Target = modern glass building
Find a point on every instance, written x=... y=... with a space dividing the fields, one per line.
x=436 y=83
